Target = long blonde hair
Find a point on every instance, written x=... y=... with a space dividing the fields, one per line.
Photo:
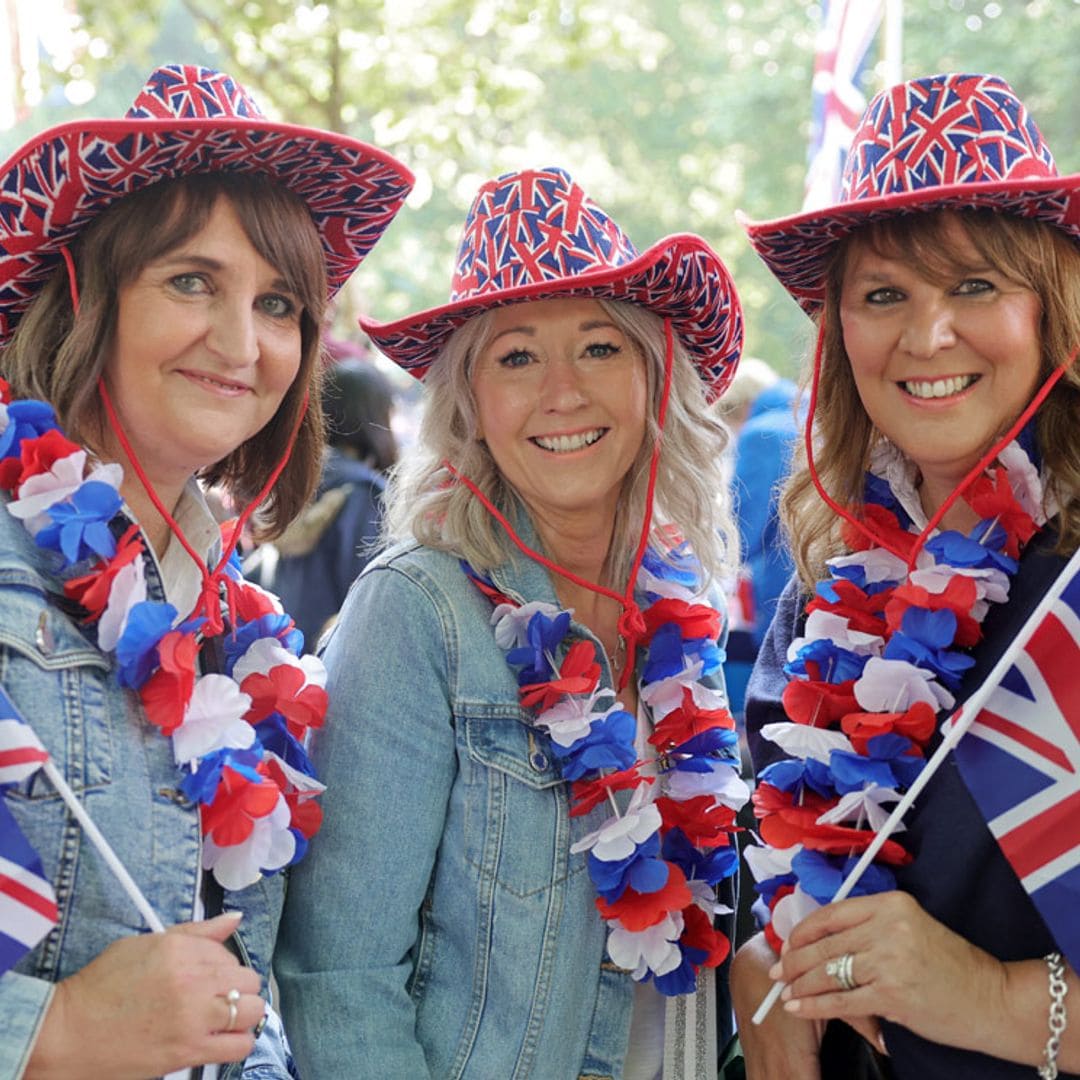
x=1035 y=255
x=424 y=503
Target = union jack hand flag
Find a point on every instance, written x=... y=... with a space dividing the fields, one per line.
x=1020 y=759
x=27 y=901
x=848 y=28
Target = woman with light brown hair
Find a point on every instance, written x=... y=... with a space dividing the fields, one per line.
x=936 y=504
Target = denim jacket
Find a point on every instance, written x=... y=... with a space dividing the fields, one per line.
x=440 y=926
x=122 y=769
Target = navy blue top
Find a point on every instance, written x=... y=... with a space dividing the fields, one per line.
x=313 y=585
x=958 y=874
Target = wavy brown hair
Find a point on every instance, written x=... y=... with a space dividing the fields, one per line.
x=57 y=356
x=1035 y=255
x=424 y=503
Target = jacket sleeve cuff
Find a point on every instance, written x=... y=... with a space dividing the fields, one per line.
x=24 y=1002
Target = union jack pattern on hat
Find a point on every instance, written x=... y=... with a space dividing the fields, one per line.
x=186 y=120
x=536 y=235
x=959 y=142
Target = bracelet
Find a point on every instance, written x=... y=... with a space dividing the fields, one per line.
x=1058 y=989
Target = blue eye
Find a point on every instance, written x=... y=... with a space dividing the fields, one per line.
x=189 y=283
x=601 y=349
x=280 y=307
x=516 y=358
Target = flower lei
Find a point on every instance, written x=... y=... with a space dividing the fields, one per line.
x=880 y=656
x=238 y=736
x=656 y=867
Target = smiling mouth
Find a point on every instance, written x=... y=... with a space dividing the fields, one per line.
x=938 y=388
x=564 y=444
x=199 y=376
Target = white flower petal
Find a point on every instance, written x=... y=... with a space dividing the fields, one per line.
x=804 y=741
x=128 y=588
x=214 y=719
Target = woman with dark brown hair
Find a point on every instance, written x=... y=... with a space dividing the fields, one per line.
x=160 y=308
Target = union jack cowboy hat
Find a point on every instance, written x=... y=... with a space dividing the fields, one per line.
x=536 y=235
x=957 y=142
x=185 y=120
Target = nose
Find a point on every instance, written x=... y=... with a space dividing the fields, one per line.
x=233 y=333
x=562 y=389
x=928 y=328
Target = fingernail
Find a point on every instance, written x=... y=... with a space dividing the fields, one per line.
x=775 y=972
x=785 y=994
x=792 y=1006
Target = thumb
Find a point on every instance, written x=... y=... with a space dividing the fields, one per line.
x=219 y=928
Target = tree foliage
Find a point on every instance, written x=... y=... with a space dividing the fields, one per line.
x=672 y=115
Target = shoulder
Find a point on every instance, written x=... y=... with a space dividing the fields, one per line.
x=409 y=577
x=22 y=562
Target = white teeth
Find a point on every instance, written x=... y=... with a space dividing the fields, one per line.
x=562 y=444
x=939 y=388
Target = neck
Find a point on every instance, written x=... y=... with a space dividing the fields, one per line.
x=578 y=545
x=933 y=491
x=146 y=514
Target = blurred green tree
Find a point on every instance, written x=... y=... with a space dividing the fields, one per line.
x=672 y=115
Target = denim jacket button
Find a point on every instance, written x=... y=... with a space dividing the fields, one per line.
x=539 y=760
x=43 y=636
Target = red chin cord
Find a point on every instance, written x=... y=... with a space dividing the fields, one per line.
x=631 y=623
x=976 y=471
x=209 y=601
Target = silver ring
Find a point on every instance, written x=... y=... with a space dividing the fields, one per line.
x=258 y=1029
x=231 y=999
x=841 y=970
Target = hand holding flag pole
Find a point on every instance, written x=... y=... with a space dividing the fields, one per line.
x=954 y=729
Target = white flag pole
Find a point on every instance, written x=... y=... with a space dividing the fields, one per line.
x=953 y=728
x=93 y=833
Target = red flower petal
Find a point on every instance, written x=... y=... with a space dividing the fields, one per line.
x=884 y=524
x=91 y=591
x=639 y=911
x=862 y=611
x=40 y=454
x=699 y=933
x=282 y=690
x=917 y=724
x=694 y=620
x=238 y=802
x=165 y=695
x=686 y=721
x=798 y=825
x=819 y=704
x=589 y=793
x=705 y=822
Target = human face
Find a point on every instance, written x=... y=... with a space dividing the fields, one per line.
x=207 y=343
x=943 y=369
x=561 y=396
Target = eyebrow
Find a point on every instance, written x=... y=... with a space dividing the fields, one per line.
x=529 y=329
x=204 y=262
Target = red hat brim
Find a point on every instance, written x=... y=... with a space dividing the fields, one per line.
x=54 y=185
x=797 y=248
x=680 y=278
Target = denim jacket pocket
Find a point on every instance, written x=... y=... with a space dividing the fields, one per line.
x=61 y=684
x=517 y=825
